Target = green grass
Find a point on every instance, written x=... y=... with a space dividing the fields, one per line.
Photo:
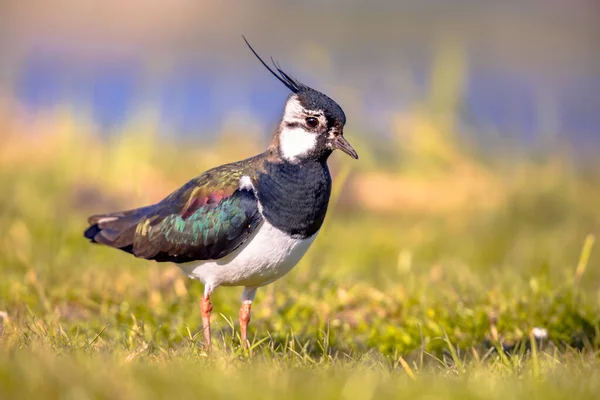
x=422 y=305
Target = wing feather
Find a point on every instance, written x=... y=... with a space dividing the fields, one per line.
x=208 y=218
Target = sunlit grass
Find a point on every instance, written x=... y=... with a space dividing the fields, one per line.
x=433 y=301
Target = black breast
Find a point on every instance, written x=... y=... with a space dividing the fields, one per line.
x=294 y=197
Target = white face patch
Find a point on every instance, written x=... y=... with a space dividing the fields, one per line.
x=295 y=143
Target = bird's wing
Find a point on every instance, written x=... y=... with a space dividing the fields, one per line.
x=206 y=219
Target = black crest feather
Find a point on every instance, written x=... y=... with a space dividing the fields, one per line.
x=284 y=78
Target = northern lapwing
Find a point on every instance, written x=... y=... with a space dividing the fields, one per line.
x=247 y=223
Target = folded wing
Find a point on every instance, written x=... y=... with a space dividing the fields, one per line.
x=206 y=219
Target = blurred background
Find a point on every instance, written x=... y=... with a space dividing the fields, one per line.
x=477 y=124
x=528 y=72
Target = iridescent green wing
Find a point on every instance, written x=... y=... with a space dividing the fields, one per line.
x=208 y=218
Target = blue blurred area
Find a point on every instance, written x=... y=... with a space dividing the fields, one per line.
x=40 y=83
x=503 y=101
x=111 y=94
x=530 y=71
x=580 y=106
x=187 y=102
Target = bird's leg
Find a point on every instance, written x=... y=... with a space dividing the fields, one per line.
x=244 y=320
x=205 y=309
x=247 y=298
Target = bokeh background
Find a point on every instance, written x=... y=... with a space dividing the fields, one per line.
x=470 y=216
x=528 y=72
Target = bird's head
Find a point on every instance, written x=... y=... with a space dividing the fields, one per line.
x=312 y=125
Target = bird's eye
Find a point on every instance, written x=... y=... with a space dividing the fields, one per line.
x=312 y=122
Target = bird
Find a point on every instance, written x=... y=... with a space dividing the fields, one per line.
x=246 y=223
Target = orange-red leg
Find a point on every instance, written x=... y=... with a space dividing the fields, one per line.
x=244 y=320
x=205 y=309
x=247 y=297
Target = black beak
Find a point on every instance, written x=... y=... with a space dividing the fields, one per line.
x=341 y=143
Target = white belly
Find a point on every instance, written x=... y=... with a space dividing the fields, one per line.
x=267 y=255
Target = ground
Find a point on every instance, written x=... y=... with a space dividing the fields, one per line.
x=424 y=302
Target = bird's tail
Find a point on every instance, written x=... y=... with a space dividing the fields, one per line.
x=115 y=229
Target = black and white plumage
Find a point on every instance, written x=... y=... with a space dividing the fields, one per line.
x=247 y=223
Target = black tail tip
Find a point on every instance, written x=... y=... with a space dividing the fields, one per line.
x=91 y=232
